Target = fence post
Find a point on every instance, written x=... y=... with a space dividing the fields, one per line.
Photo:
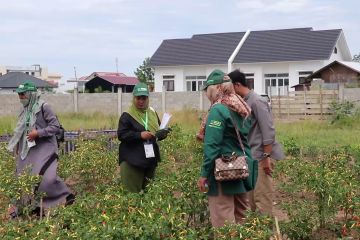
x=163 y=99
x=76 y=97
x=321 y=102
x=279 y=104
x=119 y=101
x=288 y=103
x=201 y=104
x=305 y=106
x=340 y=92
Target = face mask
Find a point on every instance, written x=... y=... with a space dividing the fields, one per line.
x=24 y=102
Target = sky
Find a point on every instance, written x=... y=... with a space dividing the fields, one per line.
x=91 y=34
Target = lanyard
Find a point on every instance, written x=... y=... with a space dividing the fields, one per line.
x=145 y=121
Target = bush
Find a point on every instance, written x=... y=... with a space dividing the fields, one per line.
x=326 y=181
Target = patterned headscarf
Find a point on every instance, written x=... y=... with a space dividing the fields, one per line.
x=228 y=97
x=26 y=122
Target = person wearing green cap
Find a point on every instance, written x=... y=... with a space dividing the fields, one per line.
x=138 y=132
x=35 y=147
x=227 y=199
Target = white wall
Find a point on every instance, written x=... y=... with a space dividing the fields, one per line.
x=336 y=56
x=296 y=67
x=181 y=72
x=179 y=76
x=259 y=69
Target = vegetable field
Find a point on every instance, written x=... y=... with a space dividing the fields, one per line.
x=318 y=193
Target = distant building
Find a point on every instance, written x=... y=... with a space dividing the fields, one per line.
x=35 y=71
x=106 y=81
x=10 y=81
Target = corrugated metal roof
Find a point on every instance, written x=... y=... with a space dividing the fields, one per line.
x=353 y=65
x=14 y=79
x=296 y=44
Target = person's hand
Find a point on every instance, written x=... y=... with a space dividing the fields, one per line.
x=146 y=135
x=202 y=182
x=32 y=135
x=266 y=165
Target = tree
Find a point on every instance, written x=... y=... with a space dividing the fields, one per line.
x=145 y=73
x=356 y=58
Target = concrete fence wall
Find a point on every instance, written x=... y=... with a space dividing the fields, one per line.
x=352 y=95
x=108 y=103
x=298 y=104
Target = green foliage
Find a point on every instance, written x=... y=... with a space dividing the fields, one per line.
x=356 y=58
x=145 y=73
x=291 y=146
x=326 y=181
x=341 y=111
x=171 y=208
x=18 y=189
x=255 y=227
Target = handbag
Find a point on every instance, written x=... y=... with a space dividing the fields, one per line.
x=234 y=167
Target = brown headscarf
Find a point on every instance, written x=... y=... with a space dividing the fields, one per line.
x=228 y=97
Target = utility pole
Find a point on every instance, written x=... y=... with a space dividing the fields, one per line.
x=117 y=63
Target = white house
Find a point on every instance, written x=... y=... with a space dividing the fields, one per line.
x=273 y=60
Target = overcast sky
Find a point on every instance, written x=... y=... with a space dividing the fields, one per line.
x=90 y=34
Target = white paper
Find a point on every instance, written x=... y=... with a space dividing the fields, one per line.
x=165 y=120
x=31 y=143
x=149 y=150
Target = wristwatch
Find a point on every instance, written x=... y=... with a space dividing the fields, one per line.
x=266 y=155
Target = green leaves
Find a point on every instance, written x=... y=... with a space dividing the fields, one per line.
x=325 y=181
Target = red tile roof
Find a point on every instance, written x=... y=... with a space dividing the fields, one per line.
x=114 y=78
x=120 y=80
x=102 y=74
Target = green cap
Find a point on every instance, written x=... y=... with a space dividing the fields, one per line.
x=216 y=77
x=26 y=86
x=141 y=89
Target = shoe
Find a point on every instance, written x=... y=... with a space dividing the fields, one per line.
x=13 y=212
x=70 y=199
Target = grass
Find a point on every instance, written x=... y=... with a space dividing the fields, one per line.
x=79 y=121
x=320 y=133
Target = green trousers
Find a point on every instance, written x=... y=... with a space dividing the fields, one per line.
x=135 y=179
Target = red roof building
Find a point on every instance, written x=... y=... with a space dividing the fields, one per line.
x=109 y=82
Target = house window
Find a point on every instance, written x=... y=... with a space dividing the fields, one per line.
x=250 y=80
x=276 y=83
x=195 y=83
x=335 y=50
x=169 y=85
x=168 y=82
x=303 y=75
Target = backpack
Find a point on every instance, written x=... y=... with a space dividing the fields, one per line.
x=60 y=135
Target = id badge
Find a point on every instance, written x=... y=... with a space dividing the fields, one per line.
x=31 y=143
x=149 y=150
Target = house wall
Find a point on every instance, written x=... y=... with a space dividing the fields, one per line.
x=336 y=56
x=339 y=73
x=259 y=69
x=178 y=81
x=296 y=67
